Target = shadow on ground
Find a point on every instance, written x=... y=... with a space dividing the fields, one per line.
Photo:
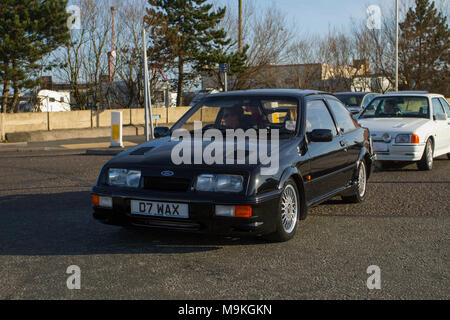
x=401 y=165
x=62 y=224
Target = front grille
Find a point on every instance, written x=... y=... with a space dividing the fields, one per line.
x=166 y=184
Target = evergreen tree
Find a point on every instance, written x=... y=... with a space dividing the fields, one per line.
x=29 y=30
x=224 y=54
x=425 y=49
x=185 y=33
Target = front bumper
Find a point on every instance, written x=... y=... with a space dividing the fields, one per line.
x=401 y=152
x=202 y=216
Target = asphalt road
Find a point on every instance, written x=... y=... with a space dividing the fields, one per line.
x=46 y=225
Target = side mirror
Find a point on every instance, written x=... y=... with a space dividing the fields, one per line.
x=160 y=132
x=320 y=135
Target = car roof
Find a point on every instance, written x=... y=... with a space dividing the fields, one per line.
x=269 y=92
x=356 y=93
x=413 y=94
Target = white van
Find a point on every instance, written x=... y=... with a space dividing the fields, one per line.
x=48 y=101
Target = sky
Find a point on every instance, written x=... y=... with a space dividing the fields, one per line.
x=316 y=16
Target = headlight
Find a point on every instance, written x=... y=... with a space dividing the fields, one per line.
x=133 y=178
x=205 y=182
x=219 y=183
x=407 y=138
x=403 y=138
x=124 y=178
x=227 y=183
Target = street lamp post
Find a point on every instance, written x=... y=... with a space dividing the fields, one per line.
x=240 y=27
x=396 y=45
x=147 y=95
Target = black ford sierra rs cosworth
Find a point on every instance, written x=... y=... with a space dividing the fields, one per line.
x=242 y=162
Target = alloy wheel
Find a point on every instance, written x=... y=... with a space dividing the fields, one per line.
x=429 y=154
x=362 y=179
x=289 y=208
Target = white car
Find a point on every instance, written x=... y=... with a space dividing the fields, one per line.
x=408 y=126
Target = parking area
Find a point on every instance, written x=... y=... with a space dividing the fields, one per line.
x=46 y=225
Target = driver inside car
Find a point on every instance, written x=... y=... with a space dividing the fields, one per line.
x=391 y=108
x=233 y=117
x=255 y=118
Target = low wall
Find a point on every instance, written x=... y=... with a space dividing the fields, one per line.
x=43 y=121
x=68 y=120
x=19 y=122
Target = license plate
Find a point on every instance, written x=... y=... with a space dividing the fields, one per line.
x=160 y=209
x=380 y=147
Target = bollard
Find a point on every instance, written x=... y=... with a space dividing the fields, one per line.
x=116 y=129
x=2 y=127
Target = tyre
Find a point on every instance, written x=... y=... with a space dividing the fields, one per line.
x=426 y=163
x=288 y=213
x=361 y=183
x=448 y=156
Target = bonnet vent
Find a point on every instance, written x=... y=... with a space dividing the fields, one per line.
x=141 y=151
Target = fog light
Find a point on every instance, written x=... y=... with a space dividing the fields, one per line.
x=105 y=202
x=234 y=211
x=225 y=211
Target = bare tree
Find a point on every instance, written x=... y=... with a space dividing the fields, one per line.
x=85 y=58
x=270 y=37
x=129 y=63
x=267 y=33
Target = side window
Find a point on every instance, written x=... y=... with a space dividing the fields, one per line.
x=437 y=107
x=367 y=99
x=318 y=117
x=206 y=114
x=446 y=106
x=343 y=117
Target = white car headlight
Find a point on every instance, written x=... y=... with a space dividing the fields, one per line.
x=219 y=183
x=407 y=138
x=124 y=178
x=403 y=138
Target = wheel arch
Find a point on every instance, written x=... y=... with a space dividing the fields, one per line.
x=430 y=136
x=365 y=155
x=293 y=173
x=432 y=141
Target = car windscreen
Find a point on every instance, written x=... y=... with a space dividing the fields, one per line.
x=350 y=100
x=397 y=107
x=244 y=113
